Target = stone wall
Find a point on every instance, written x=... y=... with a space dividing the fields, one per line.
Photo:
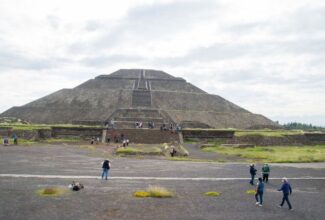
x=86 y=133
x=207 y=134
x=144 y=136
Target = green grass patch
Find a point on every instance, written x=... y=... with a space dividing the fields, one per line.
x=268 y=133
x=62 y=140
x=251 y=192
x=51 y=191
x=275 y=154
x=155 y=192
x=32 y=127
x=139 y=151
x=190 y=141
x=212 y=193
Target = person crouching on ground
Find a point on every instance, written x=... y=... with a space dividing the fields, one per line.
x=286 y=190
x=106 y=166
x=265 y=172
x=252 y=171
x=259 y=192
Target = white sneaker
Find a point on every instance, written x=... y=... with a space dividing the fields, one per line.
x=280 y=206
x=260 y=205
x=257 y=203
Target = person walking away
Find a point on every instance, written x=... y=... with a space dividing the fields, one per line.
x=265 y=172
x=106 y=166
x=286 y=190
x=259 y=192
x=252 y=171
x=15 y=138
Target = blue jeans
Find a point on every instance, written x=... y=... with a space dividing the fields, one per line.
x=260 y=194
x=286 y=198
x=252 y=179
x=105 y=173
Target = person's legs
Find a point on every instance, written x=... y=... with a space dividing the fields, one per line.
x=283 y=199
x=264 y=177
x=103 y=172
x=261 y=198
x=256 y=197
x=288 y=202
x=252 y=179
x=107 y=173
x=267 y=178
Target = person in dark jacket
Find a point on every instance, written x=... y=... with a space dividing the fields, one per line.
x=266 y=172
x=286 y=189
x=106 y=166
x=259 y=192
x=252 y=171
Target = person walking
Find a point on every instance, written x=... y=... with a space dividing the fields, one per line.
x=286 y=190
x=106 y=166
x=265 y=172
x=259 y=192
x=252 y=171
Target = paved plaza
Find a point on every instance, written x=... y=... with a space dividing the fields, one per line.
x=24 y=170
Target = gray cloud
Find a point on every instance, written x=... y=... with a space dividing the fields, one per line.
x=108 y=60
x=10 y=60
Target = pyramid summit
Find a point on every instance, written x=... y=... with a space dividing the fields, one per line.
x=130 y=95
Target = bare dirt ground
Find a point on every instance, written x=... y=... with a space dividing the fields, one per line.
x=113 y=199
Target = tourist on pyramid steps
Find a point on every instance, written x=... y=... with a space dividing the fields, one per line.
x=105 y=166
x=6 y=141
x=252 y=171
x=259 y=192
x=286 y=190
x=266 y=172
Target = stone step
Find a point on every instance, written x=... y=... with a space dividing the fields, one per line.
x=141 y=98
x=139 y=119
x=137 y=114
x=129 y=124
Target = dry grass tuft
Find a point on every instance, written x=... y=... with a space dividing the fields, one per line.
x=51 y=191
x=154 y=191
x=251 y=192
x=212 y=193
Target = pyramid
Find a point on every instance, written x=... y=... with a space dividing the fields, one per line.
x=130 y=95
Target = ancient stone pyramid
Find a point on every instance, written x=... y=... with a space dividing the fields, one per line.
x=130 y=95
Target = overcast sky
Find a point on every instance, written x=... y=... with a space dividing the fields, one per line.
x=265 y=56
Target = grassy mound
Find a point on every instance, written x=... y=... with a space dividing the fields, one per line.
x=155 y=192
x=139 y=151
x=51 y=191
x=275 y=154
x=212 y=193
